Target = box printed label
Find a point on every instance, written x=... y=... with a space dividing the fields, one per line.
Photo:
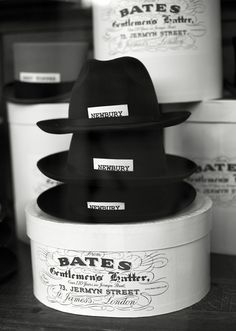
x=108 y=111
x=113 y=165
x=36 y=77
x=152 y=25
x=217 y=179
x=111 y=281
x=113 y=206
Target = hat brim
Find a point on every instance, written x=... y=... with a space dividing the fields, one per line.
x=140 y=204
x=10 y=96
x=55 y=166
x=67 y=125
x=8 y=263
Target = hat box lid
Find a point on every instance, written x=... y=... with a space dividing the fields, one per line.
x=189 y=225
x=31 y=113
x=215 y=111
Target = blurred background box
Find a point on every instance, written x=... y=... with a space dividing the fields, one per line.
x=33 y=21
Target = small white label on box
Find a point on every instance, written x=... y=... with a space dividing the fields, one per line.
x=36 y=77
x=113 y=165
x=112 y=206
x=108 y=111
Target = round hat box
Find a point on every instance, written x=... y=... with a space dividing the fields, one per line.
x=179 y=43
x=208 y=138
x=29 y=144
x=121 y=270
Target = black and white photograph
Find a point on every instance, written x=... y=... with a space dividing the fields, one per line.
x=118 y=165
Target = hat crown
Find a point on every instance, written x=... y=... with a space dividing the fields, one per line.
x=131 y=155
x=115 y=88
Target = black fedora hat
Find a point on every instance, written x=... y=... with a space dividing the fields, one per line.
x=113 y=95
x=44 y=71
x=82 y=203
x=132 y=158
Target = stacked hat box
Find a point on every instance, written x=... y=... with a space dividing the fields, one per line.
x=44 y=73
x=126 y=226
x=208 y=137
x=121 y=270
x=179 y=43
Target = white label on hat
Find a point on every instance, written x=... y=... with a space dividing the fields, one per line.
x=110 y=206
x=113 y=165
x=108 y=111
x=36 y=77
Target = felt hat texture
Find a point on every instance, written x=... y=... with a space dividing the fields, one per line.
x=82 y=203
x=116 y=156
x=113 y=95
x=133 y=157
x=44 y=71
